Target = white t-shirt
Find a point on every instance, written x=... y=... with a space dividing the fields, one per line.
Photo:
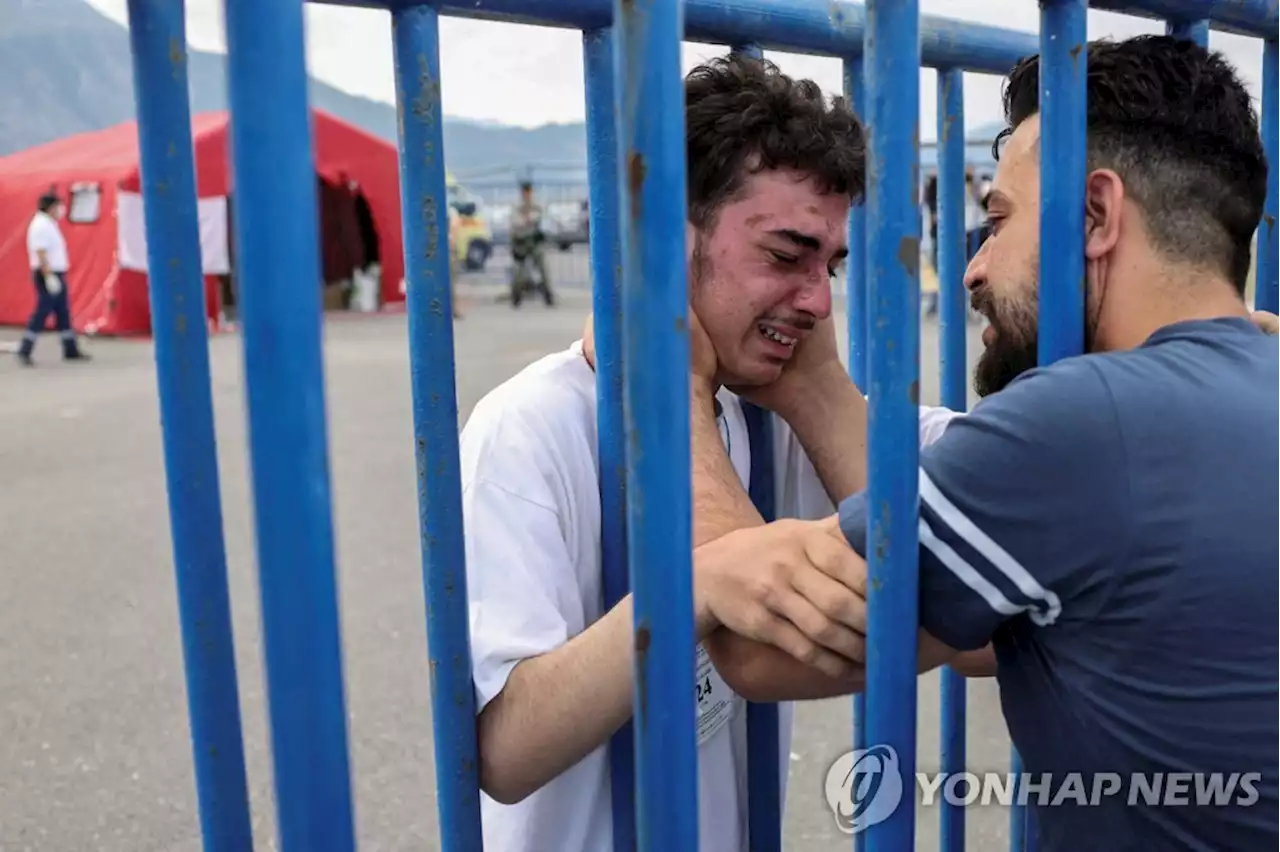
x=43 y=234
x=531 y=510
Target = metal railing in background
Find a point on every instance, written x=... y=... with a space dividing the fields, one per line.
x=635 y=129
x=562 y=192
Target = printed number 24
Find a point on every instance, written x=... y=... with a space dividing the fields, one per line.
x=704 y=689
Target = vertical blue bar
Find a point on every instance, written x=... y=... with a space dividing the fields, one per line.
x=764 y=755
x=157 y=34
x=952 y=327
x=1197 y=31
x=1267 y=273
x=952 y=256
x=655 y=367
x=856 y=266
x=606 y=284
x=1063 y=59
x=1063 y=126
x=856 y=323
x=892 y=51
x=764 y=776
x=1020 y=839
x=279 y=271
x=416 y=43
x=764 y=809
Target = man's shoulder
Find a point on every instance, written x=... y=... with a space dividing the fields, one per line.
x=1069 y=393
x=1052 y=419
x=1231 y=346
x=549 y=403
x=555 y=388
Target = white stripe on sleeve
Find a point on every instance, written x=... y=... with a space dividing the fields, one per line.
x=966 y=572
x=988 y=549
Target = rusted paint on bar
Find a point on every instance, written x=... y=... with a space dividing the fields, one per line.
x=415 y=34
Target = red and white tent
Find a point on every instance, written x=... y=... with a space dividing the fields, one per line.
x=97 y=174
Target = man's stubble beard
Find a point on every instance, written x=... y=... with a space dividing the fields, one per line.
x=1015 y=350
x=998 y=366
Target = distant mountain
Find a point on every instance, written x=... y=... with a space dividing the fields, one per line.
x=66 y=69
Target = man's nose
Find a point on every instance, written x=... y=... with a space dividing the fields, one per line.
x=976 y=272
x=815 y=300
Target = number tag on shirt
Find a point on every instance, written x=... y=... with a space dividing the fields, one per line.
x=716 y=702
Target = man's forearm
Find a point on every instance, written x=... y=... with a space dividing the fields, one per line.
x=760 y=672
x=559 y=707
x=720 y=504
x=763 y=673
x=831 y=425
x=975 y=664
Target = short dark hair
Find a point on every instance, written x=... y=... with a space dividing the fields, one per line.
x=48 y=201
x=1175 y=122
x=743 y=115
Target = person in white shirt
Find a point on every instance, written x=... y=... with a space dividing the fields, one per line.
x=47 y=256
x=773 y=169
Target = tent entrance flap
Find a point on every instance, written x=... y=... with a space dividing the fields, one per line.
x=349 y=245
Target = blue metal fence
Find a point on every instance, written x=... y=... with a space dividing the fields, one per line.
x=186 y=409
x=636 y=153
x=952 y=328
x=416 y=39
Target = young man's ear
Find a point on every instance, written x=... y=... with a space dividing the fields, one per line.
x=1104 y=202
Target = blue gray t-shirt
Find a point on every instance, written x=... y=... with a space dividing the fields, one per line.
x=1110 y=524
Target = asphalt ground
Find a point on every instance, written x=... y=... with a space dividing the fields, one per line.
x=94 y=745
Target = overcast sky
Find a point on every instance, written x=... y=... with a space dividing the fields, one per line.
x=533 y=75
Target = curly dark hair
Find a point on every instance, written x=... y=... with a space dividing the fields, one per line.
x=1175 y=122
x=743 y=115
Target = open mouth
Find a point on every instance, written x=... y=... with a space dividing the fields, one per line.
x=772 y=334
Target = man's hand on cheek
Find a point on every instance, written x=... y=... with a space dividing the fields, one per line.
x=702 y=355
x=813 y=367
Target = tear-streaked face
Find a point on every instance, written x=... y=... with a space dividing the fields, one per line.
x=761 y=277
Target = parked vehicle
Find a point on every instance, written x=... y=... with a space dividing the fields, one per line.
x=473 y=238
x=568 y=223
